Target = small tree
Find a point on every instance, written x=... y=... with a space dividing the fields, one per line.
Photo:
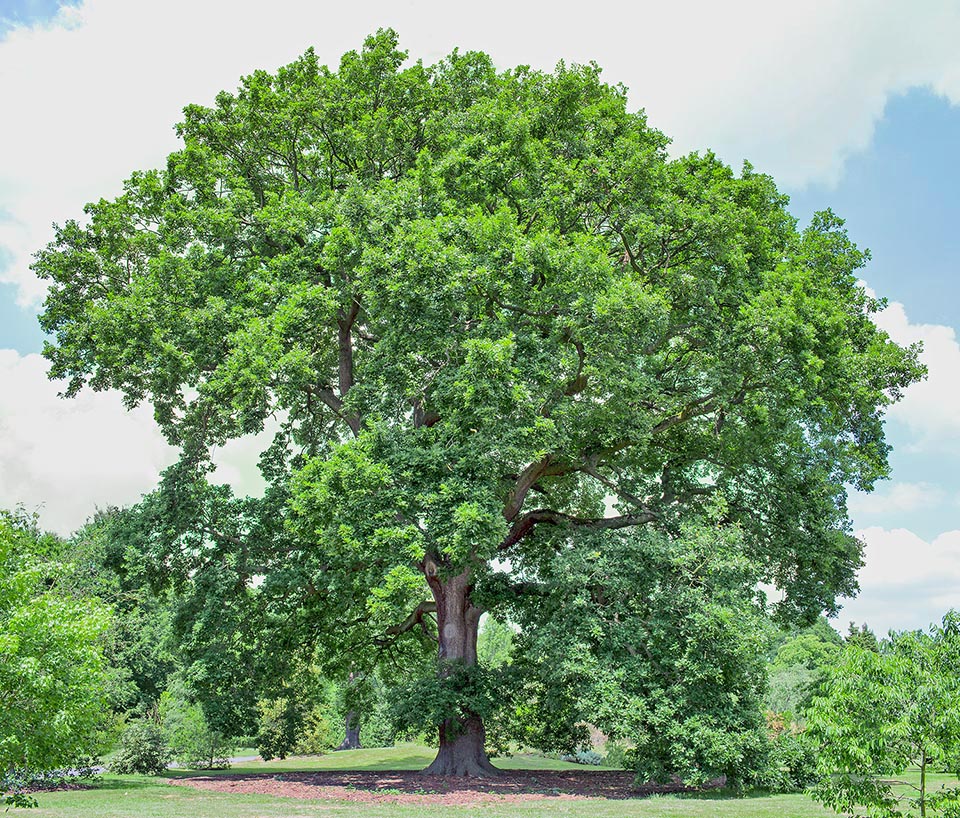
x=52 y=670
x=799 y=666
x=191 y=738
x=882 y=712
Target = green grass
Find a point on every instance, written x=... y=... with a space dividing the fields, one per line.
x=146 y=797
x=909 y=783
x=400 y=757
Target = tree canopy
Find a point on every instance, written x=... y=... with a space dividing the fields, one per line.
x=491 y=320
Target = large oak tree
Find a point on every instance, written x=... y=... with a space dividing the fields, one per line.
x=492 y=319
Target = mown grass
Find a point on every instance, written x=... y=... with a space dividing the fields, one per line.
x=146 y=797
x=400 y=757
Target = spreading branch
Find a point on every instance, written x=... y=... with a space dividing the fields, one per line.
x=525 y=524
x=415 y=618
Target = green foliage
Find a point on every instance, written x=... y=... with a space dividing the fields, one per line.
x=142 y=749
x=18 y=800
x=790 y=761
x=482 y=304
x=192 y=740
x=863 y=636
x=882 y=712
x=494 y=643
x=106 y=561
x=423 y=703
x=52 y=669
x=588 y=757
x=799 y=666
x=280 y=722
x=322 y=731
x=655 y=641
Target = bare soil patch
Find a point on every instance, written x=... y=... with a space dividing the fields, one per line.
x=414 y=787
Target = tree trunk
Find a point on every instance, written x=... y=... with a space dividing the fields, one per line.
x=351 y=729
x=462 y=751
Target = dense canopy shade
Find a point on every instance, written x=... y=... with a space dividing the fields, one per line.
x=484 y=308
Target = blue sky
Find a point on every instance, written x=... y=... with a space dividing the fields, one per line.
x=27 y=12
x=852 y=106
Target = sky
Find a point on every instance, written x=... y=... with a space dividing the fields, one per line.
x=851 y=105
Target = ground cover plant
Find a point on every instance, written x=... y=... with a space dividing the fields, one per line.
x=500 y=336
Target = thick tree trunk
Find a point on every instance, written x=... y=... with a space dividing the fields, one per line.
x=351 y=729
x=462 y=751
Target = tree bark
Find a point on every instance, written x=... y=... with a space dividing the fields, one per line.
x=351 y=729
x=462 y=739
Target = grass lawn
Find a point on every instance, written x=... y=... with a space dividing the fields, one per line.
x=400 y=757
x=147 y=797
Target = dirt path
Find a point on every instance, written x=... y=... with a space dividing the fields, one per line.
x=415 y=788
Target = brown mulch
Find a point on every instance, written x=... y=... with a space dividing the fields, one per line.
x=416 y=788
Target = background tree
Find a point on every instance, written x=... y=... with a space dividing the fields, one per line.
x=862 y=636
x=801 y=663
x=492 y=321
x=105 y=560
x=52 y=670
x=494 y=642
x=882 y=712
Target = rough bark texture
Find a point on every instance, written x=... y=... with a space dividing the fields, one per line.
x=351 y=731
x=462 y=751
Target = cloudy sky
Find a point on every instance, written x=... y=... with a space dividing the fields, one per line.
x=853 y=105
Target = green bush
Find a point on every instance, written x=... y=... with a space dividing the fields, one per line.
x=192 y=740
x=788 y=762
x=142 y=750
x=589 y=757
x=279 y=724
x=321 y=731
x=615 y=755
x=376 y=730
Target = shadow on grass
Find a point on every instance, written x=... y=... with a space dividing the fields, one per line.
x=727 y=795
x=413 y=762
x=610 y=785
x=133 y=782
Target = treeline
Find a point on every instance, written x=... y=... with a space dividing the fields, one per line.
x=107 y=651
x=102 y=651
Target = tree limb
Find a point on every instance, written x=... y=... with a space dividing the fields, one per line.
x=414 y=619
x=525 y=524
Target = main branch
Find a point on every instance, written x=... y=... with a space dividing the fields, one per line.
x=524 y=524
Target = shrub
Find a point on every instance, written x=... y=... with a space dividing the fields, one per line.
x=616 y=755
x=376 y=730
x=190 y=736
x=790 y=762
x=279 y=724
x=143 y=750
x=588 y=757
x=320 y=733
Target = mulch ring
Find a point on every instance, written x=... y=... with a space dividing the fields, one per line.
x=416 y=788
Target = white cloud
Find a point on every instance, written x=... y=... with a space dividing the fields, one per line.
x=67 y=457
x=794 y=87
x=907 y=582
x=930 y=408
x=899 y=497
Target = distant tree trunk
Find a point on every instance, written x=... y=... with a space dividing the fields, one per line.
x=462 y=751
x=351 y=730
